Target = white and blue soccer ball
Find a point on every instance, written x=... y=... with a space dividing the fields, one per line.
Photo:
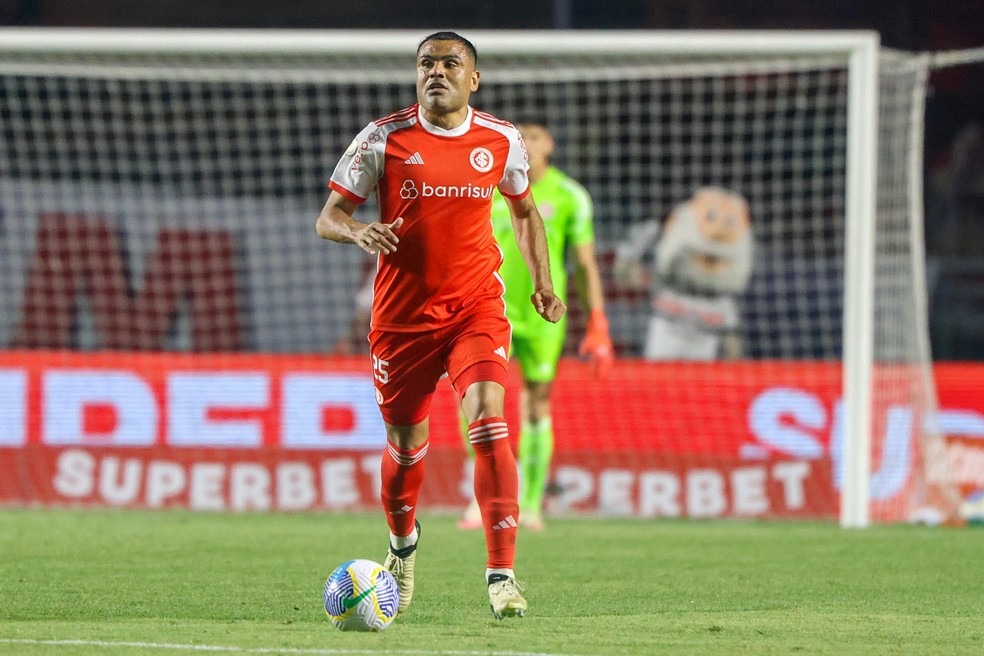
x=361 y=595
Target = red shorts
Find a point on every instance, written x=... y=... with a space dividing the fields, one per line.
x=408 y=366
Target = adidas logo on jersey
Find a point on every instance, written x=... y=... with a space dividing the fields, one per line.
x=414 y=159
x=501 y=351
x=508 y=522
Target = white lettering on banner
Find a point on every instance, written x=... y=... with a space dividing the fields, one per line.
x=249 y=487
x=206 y=489
x=67 y=394
x=165 y=481
x=335 y=483
x=578 y=486
x=190 y=396
x=13 y=407
x=696 y=493
x=896 y=451
x=705 y=493
x=340 y=489
x=615 y=491
x=791 y=475
x=120 y=482
x=305 y=397
x=295 y=486
x=966 y=423
x=748 y=495
x=659 y=494
x=788 y=421
x=75 y=474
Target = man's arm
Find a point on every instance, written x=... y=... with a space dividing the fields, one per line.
x=587 y=277
x=336 y=223
x=532 y=242
x=597 y=343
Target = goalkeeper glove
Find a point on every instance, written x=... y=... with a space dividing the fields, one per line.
x=597 y=344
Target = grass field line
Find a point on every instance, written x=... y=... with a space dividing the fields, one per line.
x=265 y=650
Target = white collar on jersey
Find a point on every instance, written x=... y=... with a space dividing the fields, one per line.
x=434 y=129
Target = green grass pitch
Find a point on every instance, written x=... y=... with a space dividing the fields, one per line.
x=120 y=583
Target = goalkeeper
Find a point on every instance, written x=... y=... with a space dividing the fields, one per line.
x=567 y=214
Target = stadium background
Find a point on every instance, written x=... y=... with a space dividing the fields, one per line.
x=954 y=232
x=954 y=226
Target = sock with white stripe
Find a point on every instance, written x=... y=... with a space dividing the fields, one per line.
x=402 y=475
x=496 y=488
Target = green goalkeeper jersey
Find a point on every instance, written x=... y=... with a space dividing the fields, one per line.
x=567 y=218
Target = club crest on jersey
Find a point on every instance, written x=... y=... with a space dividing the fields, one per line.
x=481 y=160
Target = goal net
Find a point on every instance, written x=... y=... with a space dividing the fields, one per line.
x=158 y=193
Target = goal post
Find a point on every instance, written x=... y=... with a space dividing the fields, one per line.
x=146 y=141
x=859 y=287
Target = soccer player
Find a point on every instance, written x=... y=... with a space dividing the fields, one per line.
x=437 y=301
x=567 y=218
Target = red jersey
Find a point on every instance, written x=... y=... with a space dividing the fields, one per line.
x=440 y=182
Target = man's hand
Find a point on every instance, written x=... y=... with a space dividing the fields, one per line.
x=548 y=305
x=597 y=344
x=378 y=237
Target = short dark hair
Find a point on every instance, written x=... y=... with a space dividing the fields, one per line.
x=521 y=117
x=451 y=36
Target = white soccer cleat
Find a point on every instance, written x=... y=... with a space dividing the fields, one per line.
x=400 y=563
x=505 y=596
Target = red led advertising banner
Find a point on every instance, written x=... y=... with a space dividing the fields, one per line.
x=294 y=433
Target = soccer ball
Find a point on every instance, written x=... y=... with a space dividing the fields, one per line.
x=361 y=595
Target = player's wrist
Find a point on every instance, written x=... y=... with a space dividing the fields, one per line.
x=597 y=321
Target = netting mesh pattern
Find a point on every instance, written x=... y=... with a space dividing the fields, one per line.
x=237 y=152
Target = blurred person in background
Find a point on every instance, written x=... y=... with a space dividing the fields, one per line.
x=699 y=262
x=568 y=219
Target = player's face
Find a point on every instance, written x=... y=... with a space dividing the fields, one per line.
x=446 y=76
x=539 y=144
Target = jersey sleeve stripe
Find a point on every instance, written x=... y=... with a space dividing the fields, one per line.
x=505 y=128
x=351 y=195
x=493 y=119
x=402 y=115
x=526 y=192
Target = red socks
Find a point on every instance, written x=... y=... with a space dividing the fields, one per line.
x=496 y=488
x=402 y=476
